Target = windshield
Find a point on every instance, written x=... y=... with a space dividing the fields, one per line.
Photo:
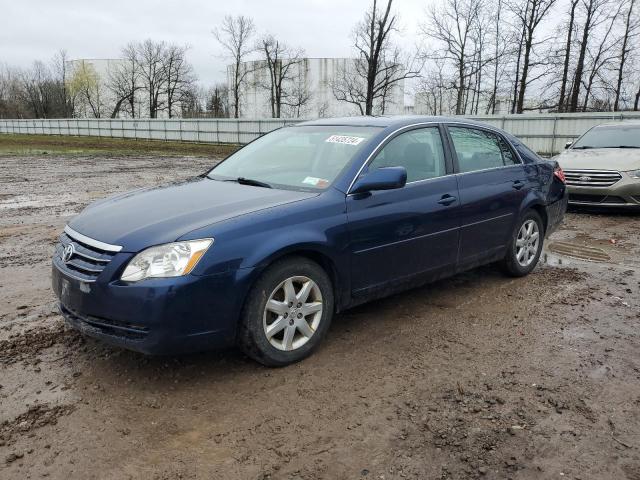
x=305 y=158
x=610 y=137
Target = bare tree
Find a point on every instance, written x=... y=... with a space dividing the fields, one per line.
x=217 y=101
x=455 y=25
x=299 y=95
x=282 y=64
x=11 y=104
x=592 y=14
x=60 y=72
x=150 y=62
x=602 y=57
x=529 y=14
x=123 y=81
x=192 y=100
x=158 y=69
x=502 y=45
x=39 y=91
x=631 y=30
x=436 y=93
x=567 y=55
x=179 y=76
x=380 y=68
x=348 y=86
x=235 y=35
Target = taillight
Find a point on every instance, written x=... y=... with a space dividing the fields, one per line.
x=560 y=175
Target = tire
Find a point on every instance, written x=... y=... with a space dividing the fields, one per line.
x=522 y=254
x=291 y=326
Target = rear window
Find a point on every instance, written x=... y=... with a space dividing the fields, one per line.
x=478 y=149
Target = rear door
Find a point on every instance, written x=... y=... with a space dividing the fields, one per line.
x=493 y=185
x=411 y=231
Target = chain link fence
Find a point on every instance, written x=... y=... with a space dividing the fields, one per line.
x=544 y=133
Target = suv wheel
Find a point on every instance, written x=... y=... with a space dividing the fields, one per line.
x=287 y=313
x=525 y=246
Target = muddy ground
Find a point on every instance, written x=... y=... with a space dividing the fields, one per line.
x=478 y=376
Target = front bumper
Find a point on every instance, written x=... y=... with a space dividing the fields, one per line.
x=156 y=316
x=623 y=194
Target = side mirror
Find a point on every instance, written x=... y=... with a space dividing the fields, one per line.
x=567 y=145
x=386 y=178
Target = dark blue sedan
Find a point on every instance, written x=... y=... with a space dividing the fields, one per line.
x=302 y=223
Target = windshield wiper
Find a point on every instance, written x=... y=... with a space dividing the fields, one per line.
x=249 y=181
x=626 y=146
x=583 y=147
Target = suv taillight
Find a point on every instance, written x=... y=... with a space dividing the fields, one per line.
x=560 y=175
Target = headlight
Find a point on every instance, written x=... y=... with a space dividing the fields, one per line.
x=634 y=174
x=170 y=260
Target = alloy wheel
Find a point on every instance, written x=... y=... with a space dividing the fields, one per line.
x=292 y=313
x=527 y=243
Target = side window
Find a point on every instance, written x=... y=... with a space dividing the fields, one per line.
x=480 y=150
x=419 y=151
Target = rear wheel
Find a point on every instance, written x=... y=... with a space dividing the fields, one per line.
x=287 y=313
x=525 y=246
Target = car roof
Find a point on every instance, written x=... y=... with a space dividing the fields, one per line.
x=396 y=121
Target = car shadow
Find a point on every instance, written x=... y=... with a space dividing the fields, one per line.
x=113 y=364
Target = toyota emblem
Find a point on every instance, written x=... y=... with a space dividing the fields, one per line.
x=585 y=178
x=68 y=252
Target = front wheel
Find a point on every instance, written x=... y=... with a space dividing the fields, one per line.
x=525 y=246
x=287 y=313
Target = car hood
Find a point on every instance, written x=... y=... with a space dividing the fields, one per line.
x=620 y=159
x=152 y=216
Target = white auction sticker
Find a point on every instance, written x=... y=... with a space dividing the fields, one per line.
x=347 y=140
x=316 y=182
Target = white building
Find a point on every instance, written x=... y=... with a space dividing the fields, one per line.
x=312 y=78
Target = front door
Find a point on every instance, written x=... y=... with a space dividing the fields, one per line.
x=396 y=235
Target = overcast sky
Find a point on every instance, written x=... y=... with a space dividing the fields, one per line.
x=37 y=29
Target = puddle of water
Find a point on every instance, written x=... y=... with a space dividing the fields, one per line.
x=581 y=252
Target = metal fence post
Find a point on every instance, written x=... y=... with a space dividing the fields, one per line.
x=553 y=136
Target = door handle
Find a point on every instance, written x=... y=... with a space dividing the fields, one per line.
x=518 y=184
x=447 y=200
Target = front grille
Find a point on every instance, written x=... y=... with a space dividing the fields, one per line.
x=592 y=178
x=86 y=263
x=106 y=327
